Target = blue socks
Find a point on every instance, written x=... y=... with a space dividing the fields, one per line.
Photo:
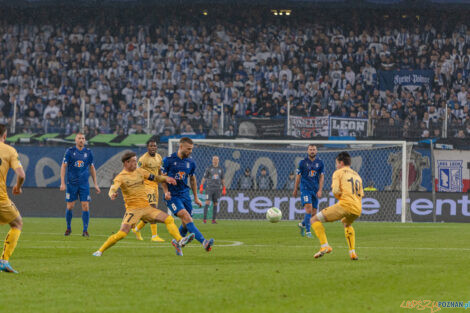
x=68 y=218
x=85 y=219
x=192 y=229
x=306 y=222
x=183 y=230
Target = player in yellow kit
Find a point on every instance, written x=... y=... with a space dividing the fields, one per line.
x=347 y=188
x=151 y=161
x=8 y=212
x=131 y=181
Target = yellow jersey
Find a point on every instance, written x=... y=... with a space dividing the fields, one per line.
x=347 y=188
x=133 y=188
x=153 y=165
x=8 y=159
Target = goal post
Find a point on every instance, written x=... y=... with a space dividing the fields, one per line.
x=379 y=163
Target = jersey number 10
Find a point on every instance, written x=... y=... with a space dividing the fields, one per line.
x=355 y=186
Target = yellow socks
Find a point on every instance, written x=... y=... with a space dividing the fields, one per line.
x=112 y=240
x=320 y=232
x=153 y=227
x=140 y=226
x=350 y=237
x=10 y=243
x=172 y=229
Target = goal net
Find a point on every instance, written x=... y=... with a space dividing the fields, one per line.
x=379 y=163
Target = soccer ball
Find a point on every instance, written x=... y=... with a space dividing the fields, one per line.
x=274 y=215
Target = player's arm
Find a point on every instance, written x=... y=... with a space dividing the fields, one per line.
x=158 y=178
x=335 y=185
x=165 y=170
x=297 y=182
x=193 y=183
x=15 y=164
x=63 y=168
x=114 y=188
x=320 y=185
x=93 y=177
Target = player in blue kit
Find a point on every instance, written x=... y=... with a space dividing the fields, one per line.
x=78 y=162
x=311 y=178
x=181 y=167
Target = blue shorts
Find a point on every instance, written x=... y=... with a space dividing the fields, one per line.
x=73 y=192
x=176 y=204
x=309 y=197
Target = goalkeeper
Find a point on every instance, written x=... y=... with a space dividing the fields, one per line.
x=214 y=176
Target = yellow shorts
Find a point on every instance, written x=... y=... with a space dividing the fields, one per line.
x=335 y=213
x=8 y=212
x=152 y=195
x=147 y=214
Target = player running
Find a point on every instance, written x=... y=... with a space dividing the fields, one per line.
x=78 y=161
x=131 y=181
x=214 y=175
x=311 y=178
x=151 y=161
x=181 y=167
x=8 y=212
x=347 y=188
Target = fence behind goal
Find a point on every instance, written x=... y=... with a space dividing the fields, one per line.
x=380 y=164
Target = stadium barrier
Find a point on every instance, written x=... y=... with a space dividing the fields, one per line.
x=238 y=204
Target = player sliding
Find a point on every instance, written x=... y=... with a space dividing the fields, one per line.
x=310 y=176
x=180 y=166
x=151 y=161
x=347 y=188
x=131 y=181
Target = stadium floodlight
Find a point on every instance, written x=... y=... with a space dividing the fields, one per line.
x=379 y=163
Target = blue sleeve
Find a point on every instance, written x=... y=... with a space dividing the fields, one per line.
x=91 y=159
x=299 y=168
x=67 y=155
x=193 y=168
x=322 y=168
x=165 y=166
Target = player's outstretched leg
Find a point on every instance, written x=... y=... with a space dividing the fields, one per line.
x=136 y=230
x=187 y=219
x=350 y=235
x=121 y=234
x=321 y=235
x=10 y=244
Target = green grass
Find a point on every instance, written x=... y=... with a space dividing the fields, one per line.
x=271 y=270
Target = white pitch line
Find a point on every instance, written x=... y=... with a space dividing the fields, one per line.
x=231 y=243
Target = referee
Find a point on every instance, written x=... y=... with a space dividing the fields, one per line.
x=214 y=175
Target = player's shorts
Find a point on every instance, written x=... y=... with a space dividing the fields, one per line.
x=309 y=197
x=74 y=192
x=8 y=212
x=147 y=214
x=176 y=204
x=335 y=213
x=213 y=195
x=152 y=196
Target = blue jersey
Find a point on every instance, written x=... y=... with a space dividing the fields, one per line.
x=310 y=172
x=78 y=164
x=180 y=170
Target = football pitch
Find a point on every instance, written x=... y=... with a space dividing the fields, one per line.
x=255 y=266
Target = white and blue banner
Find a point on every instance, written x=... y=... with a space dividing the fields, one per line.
x=389 y=80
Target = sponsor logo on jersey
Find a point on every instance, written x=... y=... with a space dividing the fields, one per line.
x=180 y=175
x=79 y=163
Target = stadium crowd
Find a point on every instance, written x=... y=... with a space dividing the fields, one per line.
x=189 y=73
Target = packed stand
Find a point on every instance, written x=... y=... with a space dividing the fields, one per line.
x=185 y=75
